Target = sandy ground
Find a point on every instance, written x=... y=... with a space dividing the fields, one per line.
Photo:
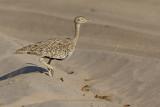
x=128 y=74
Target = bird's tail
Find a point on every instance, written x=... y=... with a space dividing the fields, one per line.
x=24 y=50
x=21 y=51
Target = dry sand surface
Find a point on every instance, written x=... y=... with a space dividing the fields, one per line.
x=117 y=55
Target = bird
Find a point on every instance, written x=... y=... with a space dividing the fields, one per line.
x=55 y=48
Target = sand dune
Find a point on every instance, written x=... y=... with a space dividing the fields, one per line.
x=126 y=78
x=128 y=74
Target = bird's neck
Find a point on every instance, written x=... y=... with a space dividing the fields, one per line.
x=77 y=28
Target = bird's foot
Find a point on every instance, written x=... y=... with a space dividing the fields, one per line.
x=50 y=71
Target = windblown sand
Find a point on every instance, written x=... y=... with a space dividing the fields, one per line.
x=117 y=55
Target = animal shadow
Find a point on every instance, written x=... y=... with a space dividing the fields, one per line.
x=24 y=70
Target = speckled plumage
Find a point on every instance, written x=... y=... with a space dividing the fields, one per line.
x=53 y=48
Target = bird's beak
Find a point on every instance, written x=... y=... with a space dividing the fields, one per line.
x=89 y=20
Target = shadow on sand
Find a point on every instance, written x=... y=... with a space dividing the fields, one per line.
x=24 y=70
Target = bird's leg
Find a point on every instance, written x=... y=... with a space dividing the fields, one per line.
x=49 y=62
x=48 y=66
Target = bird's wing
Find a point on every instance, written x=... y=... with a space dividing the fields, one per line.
x=36 y=48
x=58 y=49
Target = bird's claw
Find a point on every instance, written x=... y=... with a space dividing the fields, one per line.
x=50 y=71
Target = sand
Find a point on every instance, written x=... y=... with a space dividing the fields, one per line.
x=118 y=54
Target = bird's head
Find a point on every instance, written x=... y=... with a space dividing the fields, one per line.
x=81 y=19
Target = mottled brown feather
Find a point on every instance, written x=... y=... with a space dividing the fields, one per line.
x=52 y=48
